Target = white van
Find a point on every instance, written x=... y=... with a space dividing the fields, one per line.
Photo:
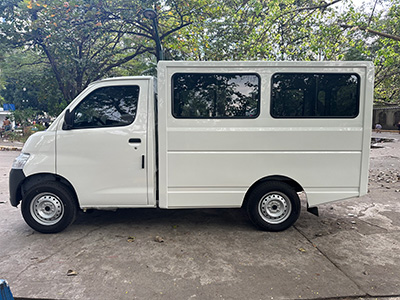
x=217 y=135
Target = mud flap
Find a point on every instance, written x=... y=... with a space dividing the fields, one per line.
x=313 y=210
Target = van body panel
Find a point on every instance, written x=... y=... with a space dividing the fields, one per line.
x=266 y=139
x=107 y=166
x=41 y=148
x=367 y=100
x=228 y=169
x=338 y=170
x=203 y=160
x=317 y=196
x=211 y=198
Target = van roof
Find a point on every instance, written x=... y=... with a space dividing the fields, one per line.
x=122 y=78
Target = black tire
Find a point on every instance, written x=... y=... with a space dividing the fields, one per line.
x=49 y=207
x=273 y=206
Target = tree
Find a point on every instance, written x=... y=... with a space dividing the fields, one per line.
x=84 y=41
x=259 y=30
x=29 y=83
x=2 y=86
x=378 y=36
x=70 y=44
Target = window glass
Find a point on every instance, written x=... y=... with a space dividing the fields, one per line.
x=311 y=95
x=215 y=95
x=106 y=107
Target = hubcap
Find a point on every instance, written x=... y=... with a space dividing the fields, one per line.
x=47 y=209
x=275 y=207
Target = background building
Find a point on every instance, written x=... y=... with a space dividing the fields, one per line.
x=387 y=116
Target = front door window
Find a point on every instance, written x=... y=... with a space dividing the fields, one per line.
x=107 y=107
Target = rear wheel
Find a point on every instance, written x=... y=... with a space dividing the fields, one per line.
x=49 y=207
x=273 y=206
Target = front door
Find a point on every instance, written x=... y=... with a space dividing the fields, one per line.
x=102 y=154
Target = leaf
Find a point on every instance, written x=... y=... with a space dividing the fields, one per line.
x=72 y=273
x=159 y=239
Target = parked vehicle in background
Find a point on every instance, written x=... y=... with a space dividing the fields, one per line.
x=213 y=135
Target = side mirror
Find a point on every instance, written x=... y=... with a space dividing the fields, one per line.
x=68 y=120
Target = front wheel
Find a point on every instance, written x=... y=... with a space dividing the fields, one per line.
x=273 y=206
x=49 y=207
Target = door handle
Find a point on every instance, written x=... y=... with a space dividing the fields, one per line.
x=135 y=141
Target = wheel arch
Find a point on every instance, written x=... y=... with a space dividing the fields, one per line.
x=35 y=179
x=291 y=182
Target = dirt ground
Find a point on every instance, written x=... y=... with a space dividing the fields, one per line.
x=385 y=163
x=351 y=251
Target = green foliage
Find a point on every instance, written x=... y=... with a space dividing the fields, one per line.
x=83 y=41
x=375 y=36
x=24 y=117
x=263 y=30
x=38 y=127
x=77 y=39
x=56 y=48
x=387 y=58
x=2 y=87
x=29 y=83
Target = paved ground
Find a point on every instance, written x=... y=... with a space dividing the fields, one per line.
x=351 y=251
x=6 y=145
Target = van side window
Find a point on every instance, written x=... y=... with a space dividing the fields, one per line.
x=315 y=95
x=215 y=95
x=107 y=107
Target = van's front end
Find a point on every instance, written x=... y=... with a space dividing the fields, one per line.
x=98 y=154
x=37 y=157
x=48 y=202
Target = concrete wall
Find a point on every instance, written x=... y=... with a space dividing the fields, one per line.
x=388 y=117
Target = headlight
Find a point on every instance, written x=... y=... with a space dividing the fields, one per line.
x=20 y=161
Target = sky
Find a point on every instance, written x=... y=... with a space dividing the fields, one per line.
x=369 y=3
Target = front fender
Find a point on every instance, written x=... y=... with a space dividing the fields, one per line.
x=16 y=179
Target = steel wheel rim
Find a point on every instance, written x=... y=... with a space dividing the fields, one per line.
x=274 y=207
x=47 y=209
